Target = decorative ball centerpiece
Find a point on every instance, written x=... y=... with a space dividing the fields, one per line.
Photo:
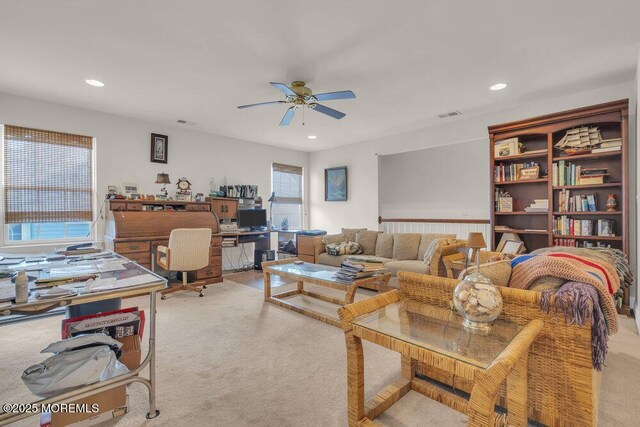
x=476 y=298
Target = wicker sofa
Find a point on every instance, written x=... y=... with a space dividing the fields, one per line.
x=563 y=387
x=398 y=252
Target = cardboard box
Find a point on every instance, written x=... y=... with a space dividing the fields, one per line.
x=131 y=352
x=111 y=403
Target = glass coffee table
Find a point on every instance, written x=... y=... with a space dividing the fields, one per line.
x=436 y=336
x=322 y=275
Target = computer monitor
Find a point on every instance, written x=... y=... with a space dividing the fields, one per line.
x=252 y=218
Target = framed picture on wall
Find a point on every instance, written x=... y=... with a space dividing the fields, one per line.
x=159 y=148
x=335 y=184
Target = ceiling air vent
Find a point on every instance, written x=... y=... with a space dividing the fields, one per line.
x=451 y=114
x=186 y=122
x=182 y=122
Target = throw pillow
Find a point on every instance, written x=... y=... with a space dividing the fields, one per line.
x=405 y=246
x=350 y=233
x=344 y=248
x=367 y=239
x=334 y=238
x=498 y=272
x=384 y=245
x=426 y=240
x=434 y=247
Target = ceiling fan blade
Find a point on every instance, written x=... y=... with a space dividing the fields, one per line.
x=328 y=111
x=284 y=88
x=288 y=116
x=343 y=94
x=261 y=103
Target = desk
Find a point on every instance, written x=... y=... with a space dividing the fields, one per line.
x=137 y=234
x=262 y=239
x=436 y=336
x=152 y=284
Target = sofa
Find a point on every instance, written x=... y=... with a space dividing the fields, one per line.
x=397 y=251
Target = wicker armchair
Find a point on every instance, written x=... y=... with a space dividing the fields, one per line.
x=563 y=387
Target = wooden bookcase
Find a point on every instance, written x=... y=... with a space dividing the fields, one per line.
x=544 y=132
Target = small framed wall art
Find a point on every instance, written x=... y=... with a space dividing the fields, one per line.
x=335 y=184
x=159 y=148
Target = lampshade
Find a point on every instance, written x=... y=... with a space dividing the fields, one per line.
x=273 y=198
x=163 y=178
x=476 y=241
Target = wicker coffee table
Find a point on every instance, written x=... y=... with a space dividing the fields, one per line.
x=322 y=275
x=436 y=336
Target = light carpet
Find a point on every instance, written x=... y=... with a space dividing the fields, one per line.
x=229 y=359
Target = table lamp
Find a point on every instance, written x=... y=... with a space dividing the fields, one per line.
x=476 y=242
x=273 y=199
x=163 y=178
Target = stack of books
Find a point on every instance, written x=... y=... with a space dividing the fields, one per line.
x=354 y=268
x=538 y=205
x=608 y=145
x=228 y=242
x=578 y=203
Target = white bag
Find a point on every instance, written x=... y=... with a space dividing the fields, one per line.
x=82 y=341
x=72 y=369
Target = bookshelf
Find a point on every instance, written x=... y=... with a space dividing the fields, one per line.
x=540 y=229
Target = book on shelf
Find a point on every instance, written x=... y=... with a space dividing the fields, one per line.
x=606 y=150
x=569 y=174
x=506 y=148
x=611 y=143
x=567 y=226
x=577 y=203
x=579 y=244
x=606 y=227
x=541 y=151
x=511 y=172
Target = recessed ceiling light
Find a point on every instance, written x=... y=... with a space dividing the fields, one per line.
x=92 y=82
x=498 y=86
x=312 y=137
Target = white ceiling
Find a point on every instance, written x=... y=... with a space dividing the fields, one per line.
x=407 y=61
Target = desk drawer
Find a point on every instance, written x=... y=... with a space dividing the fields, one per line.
x=204 y=273
x=139 y=257
x=204 y=207
x=192 y=207
x=134 y=206
x=215 y=261
x=131 y=247
x=118 y=206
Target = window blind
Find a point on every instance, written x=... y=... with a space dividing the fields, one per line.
x=47 y=176
x=287 y=184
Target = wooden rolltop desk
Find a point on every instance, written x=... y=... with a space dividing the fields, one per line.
x=135 y=234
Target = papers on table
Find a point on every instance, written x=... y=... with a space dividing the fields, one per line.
x=112 y=266
x=7 y=290
x=99 y=285
x=55 y=292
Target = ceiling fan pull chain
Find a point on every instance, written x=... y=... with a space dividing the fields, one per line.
x=303 y=115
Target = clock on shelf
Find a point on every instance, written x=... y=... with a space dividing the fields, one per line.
x=184 y=190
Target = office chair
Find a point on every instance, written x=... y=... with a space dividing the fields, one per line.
x=189 y=250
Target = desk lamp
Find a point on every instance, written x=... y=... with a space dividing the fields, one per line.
x=163 y=178
x=273 y=199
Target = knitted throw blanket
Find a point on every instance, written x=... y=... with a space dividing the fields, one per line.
x=578 y=302
x=601 y=275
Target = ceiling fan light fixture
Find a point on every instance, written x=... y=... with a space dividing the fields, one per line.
x=93 y=82
x=498 y=86
x=312 y=137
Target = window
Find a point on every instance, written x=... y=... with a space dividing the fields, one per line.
x=48 y=185
x=287 y=185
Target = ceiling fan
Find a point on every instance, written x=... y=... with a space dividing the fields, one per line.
x=301 y=96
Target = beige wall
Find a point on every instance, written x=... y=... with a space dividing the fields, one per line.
x=123 y=147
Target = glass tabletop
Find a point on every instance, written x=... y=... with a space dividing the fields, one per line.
x=307 y=270
x=440 y=330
